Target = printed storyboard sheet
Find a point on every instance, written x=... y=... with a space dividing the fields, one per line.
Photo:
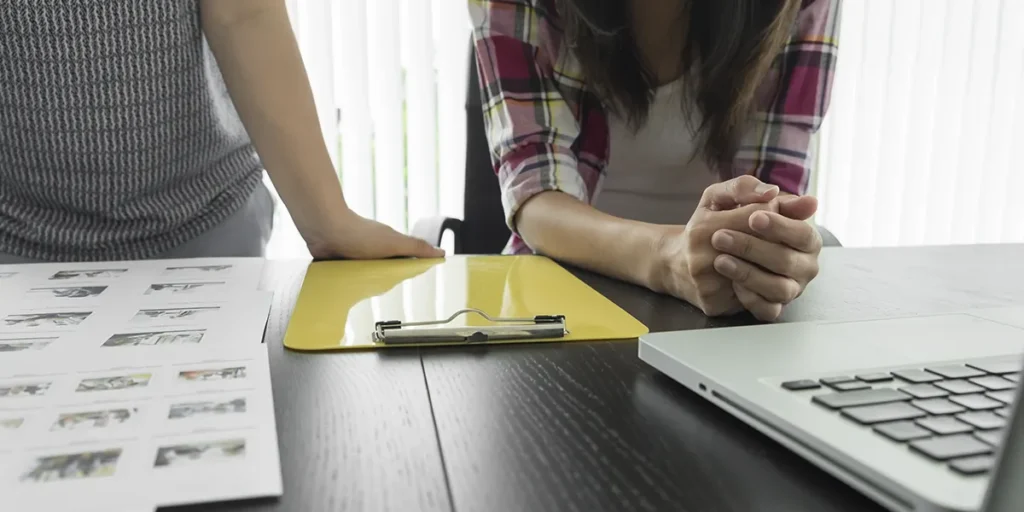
x=141 y=375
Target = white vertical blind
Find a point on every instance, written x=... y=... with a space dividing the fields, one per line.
x=451 y=31
x=421 y=107
x=386 y=107
x=350 y=56
x=389 y=80
x=927 y=108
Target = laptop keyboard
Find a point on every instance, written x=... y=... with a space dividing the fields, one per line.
x=948 y=413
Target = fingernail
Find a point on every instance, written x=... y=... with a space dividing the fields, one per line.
x=760 y=221
x=764 y=188
x=722 y=240
x=727 y=265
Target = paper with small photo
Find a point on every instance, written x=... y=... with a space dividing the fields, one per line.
x=178 y=332
x=59 y=284
x=111 y=381
x=239 y=272
x=203 y=279
x=30 y=388
x=130 y=333
x=25 y=342
x=204 y=411
x=12 y=279
x=219 y=421
x=105 y=476
x=48 y=320
x=236 y=310
x=16 y=424
x=212 y=375
x=215 y=466
x=196 y=431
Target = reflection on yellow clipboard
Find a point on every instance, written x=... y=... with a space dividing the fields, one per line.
x=346 y=305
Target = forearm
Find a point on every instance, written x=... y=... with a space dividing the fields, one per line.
x=561 y=227
x=263 y=70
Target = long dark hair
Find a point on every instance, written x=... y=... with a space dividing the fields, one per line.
x=729 y=48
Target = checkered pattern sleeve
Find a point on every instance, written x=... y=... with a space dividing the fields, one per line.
x=530 y=110
x=795 y=97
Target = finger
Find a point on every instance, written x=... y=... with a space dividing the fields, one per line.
x=415 y=247
x=737 y=192
x=774 y=257
x=772 y=287
x=422 y=249
x=737 y=219
x=798 y=207
x=759 y=307
x=797 y=234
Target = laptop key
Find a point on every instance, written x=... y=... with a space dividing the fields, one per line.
x=923 y=391
x=916 y=376
x=959 y=387
x=857 y=398
x=797 y=385
x=828 y=381
x=853 y=385
x=937 y=406
x=882 y=413
x=993 y=383
x=992 y=437
x=956 y=371
x=977 y=465
x=901 y=431
x=998 y=367
x=875 y=377
x=1004 y=412
x=983 y=420
x=945 y=425
x=950 y=447
x=1005 y=396
x=976 y=402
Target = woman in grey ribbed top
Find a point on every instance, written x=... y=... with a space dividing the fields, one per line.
x=129 y=128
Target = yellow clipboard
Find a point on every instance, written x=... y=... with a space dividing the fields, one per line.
x=357 y=305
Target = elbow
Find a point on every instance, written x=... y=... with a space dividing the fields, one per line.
x=529 y=179
x=528 y=220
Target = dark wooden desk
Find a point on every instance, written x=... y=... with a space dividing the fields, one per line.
x=577 y=426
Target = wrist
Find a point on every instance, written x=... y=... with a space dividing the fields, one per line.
x=662 y=256
x=325 y=223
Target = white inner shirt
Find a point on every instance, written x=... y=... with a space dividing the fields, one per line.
x=655 y=174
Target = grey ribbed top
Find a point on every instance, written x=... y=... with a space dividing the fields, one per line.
x=117 y=137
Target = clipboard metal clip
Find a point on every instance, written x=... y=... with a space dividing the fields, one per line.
x=396 y=332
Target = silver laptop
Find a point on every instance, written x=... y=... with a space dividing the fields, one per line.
x=917 y=413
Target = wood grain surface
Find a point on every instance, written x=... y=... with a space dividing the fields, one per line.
x=580 y=426
x=355 y=430
x=589 y=427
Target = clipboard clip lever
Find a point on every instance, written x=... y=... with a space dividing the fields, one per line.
x=395 y=332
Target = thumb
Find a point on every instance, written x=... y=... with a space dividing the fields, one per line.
x=798 y=207
x=739 y=191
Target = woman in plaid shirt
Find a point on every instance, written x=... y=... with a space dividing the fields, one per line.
x=663 y=142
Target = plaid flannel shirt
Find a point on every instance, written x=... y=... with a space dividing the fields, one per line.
x=548 y=132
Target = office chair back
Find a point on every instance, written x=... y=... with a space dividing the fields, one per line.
x=483 y=228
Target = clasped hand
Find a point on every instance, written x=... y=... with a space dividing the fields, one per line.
x=745 y=247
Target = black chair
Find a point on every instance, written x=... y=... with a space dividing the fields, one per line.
x=483 y=230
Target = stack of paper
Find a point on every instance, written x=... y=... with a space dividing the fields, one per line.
x=135 y=385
